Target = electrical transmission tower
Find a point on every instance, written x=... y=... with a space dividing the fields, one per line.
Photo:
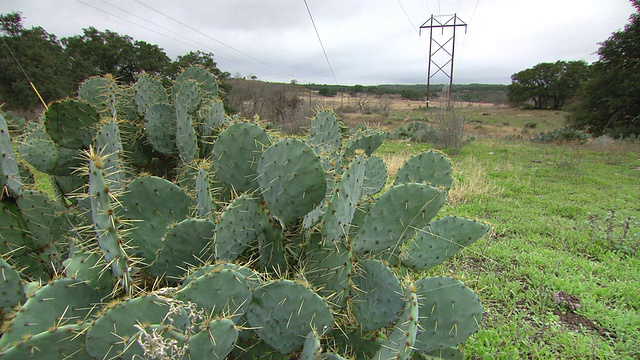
x=445 y=46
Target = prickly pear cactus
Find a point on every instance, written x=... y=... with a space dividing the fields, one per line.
x=190 y=234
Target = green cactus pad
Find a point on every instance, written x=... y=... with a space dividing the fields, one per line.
x=11 y=290
x=236 y=153
x=113 y=334
x=39 y=213
x=440 y=240
x=272 y=245
x=148 y=91
x=291 y=178
x=37 y=148
x=329 y=269
x=109 y=145
x=253 y=278
x=62 y=342
x=367 y=140
x=254 y=348
x=9 y=173
x=215 y=342
x=185 y=245
x=204 y=203
x=151 y=205
x=428 y=167
x=375 y=175
x=186 y=102
x=71 y=123
x=311 y=349
x=377 y=295
x=325 y=130
x=221 y=292
x=399 y=344
x=62 y=302
x=69 y=161
x=188 y=96
x=342 y=203
x=205 y=79
x=394 y=217
x=239 y=226
x=14 y=231
x=354 y=343
x=283 y=312
x=212 y=122
x=105 y=223
x=125 y=104
x=450 y=312
x=101 y=93
x=160 y=127
x=89 y=267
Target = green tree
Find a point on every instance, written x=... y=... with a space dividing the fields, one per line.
x=107 y=52
x=42 y=58
x=547 y=85
x=204 y=59
x=609 y=101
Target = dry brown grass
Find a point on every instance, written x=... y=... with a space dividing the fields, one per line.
x=470 y=180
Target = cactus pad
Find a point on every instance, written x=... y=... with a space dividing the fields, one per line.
x=292 y=179
x=239 y=226
x=284 y=312
x=70 y=123
x=152 y=204
x=185 y=245
x=377 y=295
x=440 y=240
x=236 y=153
x=11 y=291
x=62 y=302
x=450 y=312
x=221 y=292
x=428 y=167
x=393 y=219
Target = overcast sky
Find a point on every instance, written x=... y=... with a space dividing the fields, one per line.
x=367 y=42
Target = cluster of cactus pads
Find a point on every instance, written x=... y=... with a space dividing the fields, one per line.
x=179 y=232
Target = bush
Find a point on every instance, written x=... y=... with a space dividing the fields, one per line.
x=560 y=135
x=447 y=132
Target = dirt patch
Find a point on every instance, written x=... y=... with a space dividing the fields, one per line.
x=578 y=323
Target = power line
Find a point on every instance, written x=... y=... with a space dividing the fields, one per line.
x=413 y=26
x=232 y=58
x=221 y=55
x=211 y=38
x=24 y=72
x=320 y=40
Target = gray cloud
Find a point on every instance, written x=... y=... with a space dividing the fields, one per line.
x=367 y=41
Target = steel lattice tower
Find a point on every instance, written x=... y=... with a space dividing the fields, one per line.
x=447 y=46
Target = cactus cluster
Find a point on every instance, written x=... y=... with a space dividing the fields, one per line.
x=178 y=232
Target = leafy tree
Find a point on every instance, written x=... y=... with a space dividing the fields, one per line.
x=30 y=47
x=547 y=85
x=107 y=52
x=328 y=92
x=204 y=59
x=609 y=99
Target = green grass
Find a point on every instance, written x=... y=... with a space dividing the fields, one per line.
x=548 y=211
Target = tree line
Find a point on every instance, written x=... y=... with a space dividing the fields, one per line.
x=601 y=98
x=57 y=66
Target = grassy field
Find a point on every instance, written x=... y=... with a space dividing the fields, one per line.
x=560 y=270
